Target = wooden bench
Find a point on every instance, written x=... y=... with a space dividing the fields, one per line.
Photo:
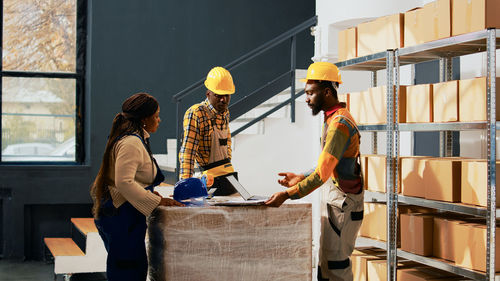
x=69 y=258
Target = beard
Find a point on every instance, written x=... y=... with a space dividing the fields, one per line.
x=316 y=107
x=315 y=110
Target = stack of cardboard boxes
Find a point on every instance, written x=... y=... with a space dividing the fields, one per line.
x=369 y=264
x=451 y=101
x=458 y=180
x=436 y=20
x=457 y=239
x=451 y=179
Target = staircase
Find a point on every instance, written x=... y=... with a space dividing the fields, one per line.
x=84 y=252
x=270 y=104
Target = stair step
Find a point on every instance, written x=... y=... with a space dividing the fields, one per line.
x=63 y=247
x=84 y=225
x=243 y=119
x=270 y=104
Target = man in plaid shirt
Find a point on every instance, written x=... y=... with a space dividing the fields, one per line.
x=207 y=139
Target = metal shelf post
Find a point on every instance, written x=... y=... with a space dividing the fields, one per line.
x=445 y=137
x=491 y=141
x=391 y=211
x=374 y=83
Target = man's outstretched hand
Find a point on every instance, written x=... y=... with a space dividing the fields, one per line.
x=290 y=179
x=277 y=199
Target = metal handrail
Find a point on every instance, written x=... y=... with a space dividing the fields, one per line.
x=265 y=114
x=254 y=53
x=290 y=34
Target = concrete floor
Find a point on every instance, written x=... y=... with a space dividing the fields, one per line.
x=13 y=270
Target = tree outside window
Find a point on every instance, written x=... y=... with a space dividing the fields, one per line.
x=42 y=80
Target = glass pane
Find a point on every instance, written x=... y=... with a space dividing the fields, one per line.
x=38 y=119
x=39 y=35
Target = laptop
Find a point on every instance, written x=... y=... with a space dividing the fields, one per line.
x=243 y=192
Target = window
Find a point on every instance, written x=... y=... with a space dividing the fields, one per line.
x=42 y=81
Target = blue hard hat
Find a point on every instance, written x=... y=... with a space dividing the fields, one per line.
x=189 y=188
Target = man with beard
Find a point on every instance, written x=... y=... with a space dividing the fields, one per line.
x=207 y=138
x=338 y=169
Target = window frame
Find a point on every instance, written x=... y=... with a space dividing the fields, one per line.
x=80 y=81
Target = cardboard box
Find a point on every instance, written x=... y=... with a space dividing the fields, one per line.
x=357 y=106
x=377 y=269
x=375 y=221
x=376 y=172
x=359 y=261
x=345 y=99
x=475 y=182
x=474 y=15
x=442 y=179
x=437 y=20
x=429 y=23
x=364 y=170
x=416 y=234
x=419 y=101
x=444 y=237
x=348 y=44
x=414 y=31
x=472 y=100
x=412 y=176
x=381 y=34
x=470 y=249
x=445 y=102
x=376 y=105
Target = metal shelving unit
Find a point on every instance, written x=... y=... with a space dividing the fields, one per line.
x=391 y=60
x=443 y=265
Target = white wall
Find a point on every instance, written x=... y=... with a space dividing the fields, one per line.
x=284 y=146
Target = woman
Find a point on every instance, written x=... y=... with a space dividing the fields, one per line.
x=123 y=189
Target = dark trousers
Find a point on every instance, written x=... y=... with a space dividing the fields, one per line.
x=123 y=231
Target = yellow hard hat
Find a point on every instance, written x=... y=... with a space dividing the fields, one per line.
x=219 y=81
x=324 y=71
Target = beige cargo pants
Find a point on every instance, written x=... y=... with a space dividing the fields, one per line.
x=341 y=217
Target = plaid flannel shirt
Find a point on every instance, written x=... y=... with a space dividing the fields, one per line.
x=197 y=137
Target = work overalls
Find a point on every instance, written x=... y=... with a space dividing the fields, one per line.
x=219 y=161
x=123 y=231
x=341 y=217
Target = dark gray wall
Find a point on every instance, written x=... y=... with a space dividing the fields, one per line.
x=156 y=46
